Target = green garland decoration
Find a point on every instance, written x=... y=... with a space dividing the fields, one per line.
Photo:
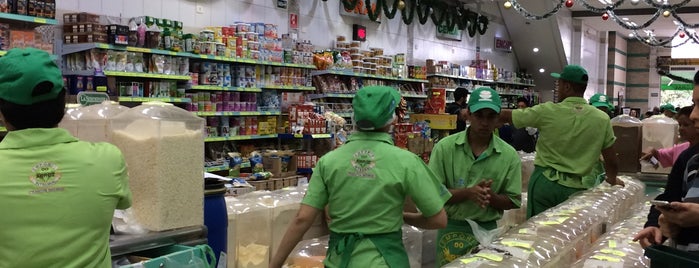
x=390 y=14
x=442 y=14
x=373 y=16
x=423 y=16
x=411 y=13
x=482 y=24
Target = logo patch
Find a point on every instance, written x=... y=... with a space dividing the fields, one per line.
x=485 y=96
x=363 y=163
x=603 y=98
x=44 y=175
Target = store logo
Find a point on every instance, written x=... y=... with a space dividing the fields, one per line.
x=363 y=163
x=486 y=96
x=603 y=98
x=44 y=175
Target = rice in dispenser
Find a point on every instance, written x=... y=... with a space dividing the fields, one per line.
x=658 y=132
x=627 y=130
x=91 y=123
x=164 y=150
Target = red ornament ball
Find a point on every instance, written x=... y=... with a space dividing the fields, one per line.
x=681 y=35
x=605 y=16
x=569 y=3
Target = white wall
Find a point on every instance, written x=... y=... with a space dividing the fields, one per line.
x=319 y=22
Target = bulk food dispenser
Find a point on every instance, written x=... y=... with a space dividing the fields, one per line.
x=164 y=150
x=628 y=132
x=658 y=132
x=91 y=123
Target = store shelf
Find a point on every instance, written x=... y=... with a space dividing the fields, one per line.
x=216 y=168
x=30 y=19
x=235 y=113
x=297 y=88
x=218 y=88
x=480 y=80
x=73 y=48
x=146 y=99
x=349 y=73
x=416 y=96
x=345 y=114
x=304 y=136
x=331 y=95
x=304 y=170
x=241 y=138
x=147 y=75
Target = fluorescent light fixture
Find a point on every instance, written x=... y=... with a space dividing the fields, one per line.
x=624 y=18
x=542 y=70
x=630 y=34
x=536 y=49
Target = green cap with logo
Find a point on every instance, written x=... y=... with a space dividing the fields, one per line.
x=573 y=73
x=600 y=100
x=374 y=107
x=668 y=107
x=29 y=76
x=484 y=97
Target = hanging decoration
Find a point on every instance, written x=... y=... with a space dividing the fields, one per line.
x=662 y=8
x=439 y=12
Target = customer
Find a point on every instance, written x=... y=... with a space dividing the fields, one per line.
x=459 y=108
x=572 y=134
x=668 y=110
x=365 y=184
x=482 y=172
x=57 y=194
x=667 y=156
x=682 y=186
x=524 y=139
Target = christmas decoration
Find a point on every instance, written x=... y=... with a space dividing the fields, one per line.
x=605 y=16
x=569 y=3
x=507 y=5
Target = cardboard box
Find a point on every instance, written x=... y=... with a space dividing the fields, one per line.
x=261 y=185
x=274 y=165
x=239 y=191
x=437 y=101
x=278 y=183
x=436 y=121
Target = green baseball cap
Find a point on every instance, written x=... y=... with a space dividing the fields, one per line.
x=374 y=107
x=600 y=100
x=668 y=107
x=28 y=76
x=573 y=73
x=484 y=97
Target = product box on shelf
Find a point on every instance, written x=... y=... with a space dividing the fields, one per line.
x=20 y=7
x=437 y=101
x=280 y=166
x=81 y=17
x=437 y=121
x=6 y=6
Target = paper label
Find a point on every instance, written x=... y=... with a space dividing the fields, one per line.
x=613 y=252
x=490 y=256
x=612 y=243
x=606 y=258
x=517 y=243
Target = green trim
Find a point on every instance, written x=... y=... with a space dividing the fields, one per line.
x=638 y=55
x=616 y=83
x=638 y=70
x=637 y=85
x=610 y=66
x=616 y=50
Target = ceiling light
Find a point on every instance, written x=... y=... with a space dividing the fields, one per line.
x=542 y=70
x=536 y=49
x=630 y=34
x=625 y=18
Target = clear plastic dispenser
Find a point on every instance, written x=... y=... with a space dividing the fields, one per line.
x=659 y=132
x=628 y=132
x=91 y=123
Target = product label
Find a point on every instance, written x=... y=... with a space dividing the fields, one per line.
x=490 y=256
x=613 y=252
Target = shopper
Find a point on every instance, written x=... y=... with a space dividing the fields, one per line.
x=57 y=194
x=668 y=110
x=482 y=172
x=524 y=139
x=682 y=185
x=459 y=108
x=365 y=184
x=572 y=134
x=667 y=156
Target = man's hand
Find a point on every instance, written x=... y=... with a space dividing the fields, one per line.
x=650 y=235
x=666 y=228
x=480 y=193
x=615 y=181
x=681 y=214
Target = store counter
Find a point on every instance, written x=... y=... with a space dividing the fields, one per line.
x=126 y=244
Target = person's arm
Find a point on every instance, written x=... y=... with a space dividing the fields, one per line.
x=682 y=214
x=510 y=194
x=436 y=221
x=294 y=233
x=611 y=166
x=666 y=156
x=479 y=194
x=506 y=116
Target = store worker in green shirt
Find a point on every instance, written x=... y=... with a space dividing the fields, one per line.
x=572 y=134
x=482 y=172
x=57 y=194
x=365 y=184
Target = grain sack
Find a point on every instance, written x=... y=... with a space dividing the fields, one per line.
x=165 y=163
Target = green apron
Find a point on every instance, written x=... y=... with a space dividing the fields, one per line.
x=389 y=245
x=545 y=190
x=457 y=240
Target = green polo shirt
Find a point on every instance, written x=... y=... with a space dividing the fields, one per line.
x=365 y=183
x=58 y=196
x=572 y=134
x=453 y=162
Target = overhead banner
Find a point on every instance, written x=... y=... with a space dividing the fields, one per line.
x=667 y=83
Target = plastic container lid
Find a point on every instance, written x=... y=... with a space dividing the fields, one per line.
x=626 y=121
x=659 y=119
x=105 y=110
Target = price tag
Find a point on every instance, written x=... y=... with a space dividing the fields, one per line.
x=172 y=53
x=298 y=136
x=140 y=49
x=613 y=252
x=612 y=243
x=39 y=20
x=204 y=56
x=518 y=243
x=606 y=258
x=490 y=256
x=468 y=260
x=102 y=46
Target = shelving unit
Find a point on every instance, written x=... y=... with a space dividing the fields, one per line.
x=508 y=97
x=147 y=75
x=144 y=99
x=249 y=113
x=306 y=136
x=381 y=77
x=241 y=138
x=29 y=19
x=218 y=88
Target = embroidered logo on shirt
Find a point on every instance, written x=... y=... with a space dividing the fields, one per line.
x=363 y=163
x=44 y=175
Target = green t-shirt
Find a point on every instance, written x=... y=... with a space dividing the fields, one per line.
x=453 y=162
x=572 y=134
x=366 y=181
x=58 y=197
